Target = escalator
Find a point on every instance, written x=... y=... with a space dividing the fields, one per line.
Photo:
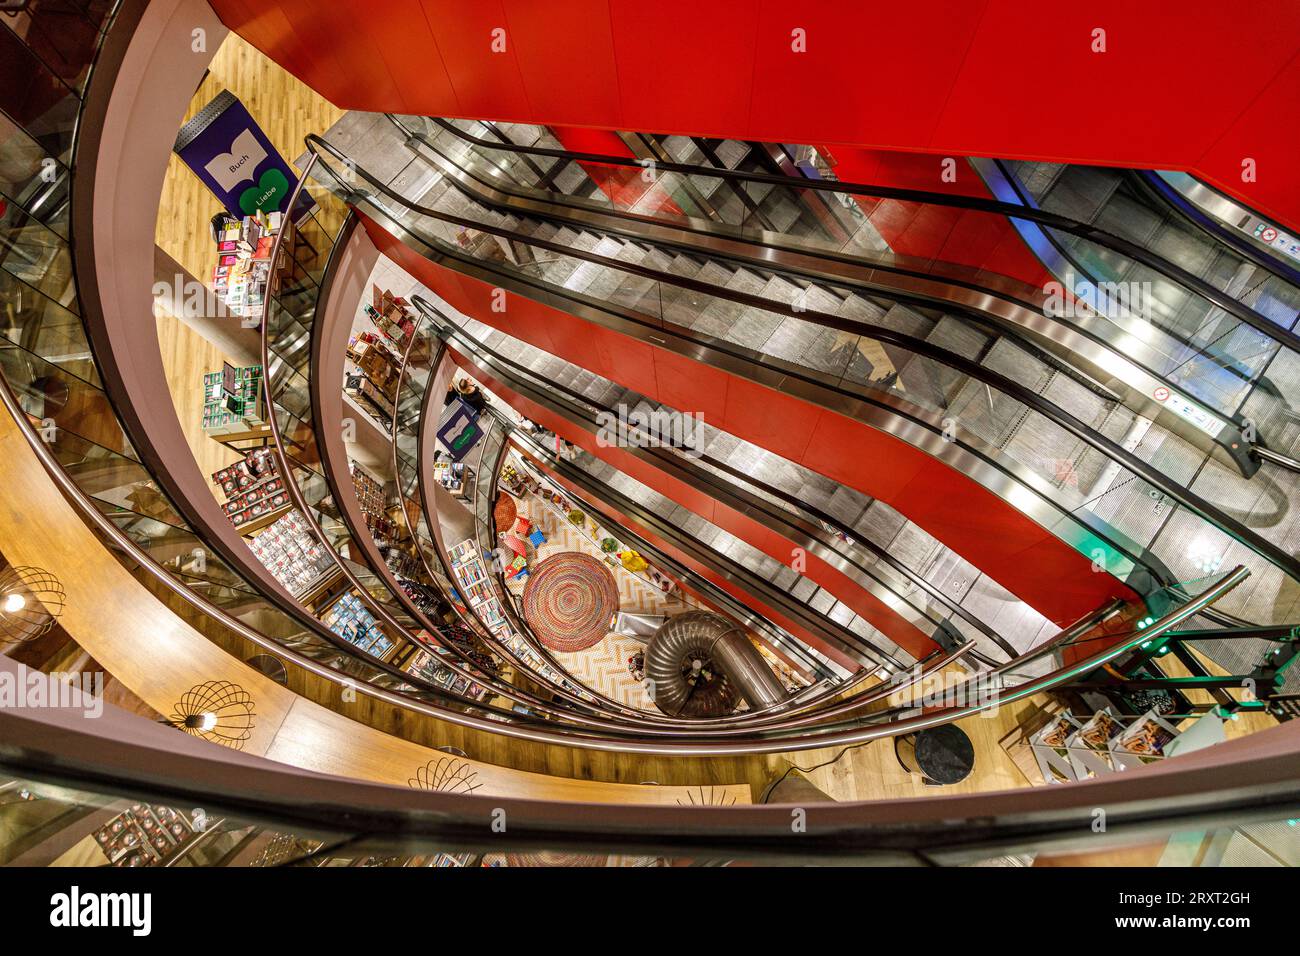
x=1233 y=346
x=866 y=547
x=844 y=232
x=567 y=267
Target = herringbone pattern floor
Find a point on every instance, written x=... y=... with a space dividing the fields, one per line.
x=603 y=667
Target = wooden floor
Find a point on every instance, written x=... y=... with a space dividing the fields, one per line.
x=283 y=107
x=158 y=656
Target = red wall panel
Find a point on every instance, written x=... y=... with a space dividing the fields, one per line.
x=870 y=608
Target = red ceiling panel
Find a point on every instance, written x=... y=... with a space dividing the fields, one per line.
x=683 y=65
x=691 y=386
x=1268 y=132
x=487 y=83
x=566 y=54
x=401 y=37
x=861 y=68
x=1184 y=84
x=1169 y=66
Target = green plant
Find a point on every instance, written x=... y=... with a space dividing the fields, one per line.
x=609 y=545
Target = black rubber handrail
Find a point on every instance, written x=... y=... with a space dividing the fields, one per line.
x=1112 y=450
x=1084 y=230
x=1212 y=227
x=704 y=477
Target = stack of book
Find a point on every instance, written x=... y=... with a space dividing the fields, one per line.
x=254 y=490
x=349 y=619
x=244 y=267
x=232 y=401
x=292 y=554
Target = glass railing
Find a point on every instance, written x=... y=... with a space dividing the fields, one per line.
x=1183 y=335
x=123 y=822
x=53 y=387
x=803 y=504
x=1097 y=485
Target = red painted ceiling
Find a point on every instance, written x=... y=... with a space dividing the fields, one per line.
x=1199 y=85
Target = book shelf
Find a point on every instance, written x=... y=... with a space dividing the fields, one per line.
x=475 y=586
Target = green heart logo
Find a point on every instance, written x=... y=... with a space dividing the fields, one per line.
x=267 y=195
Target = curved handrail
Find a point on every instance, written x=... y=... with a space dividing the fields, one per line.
x=1052 y=220
x=977 y=297
x=1242 y=781
x=702 y=476
x=1191 y=501
x=528 y=700
x=700 y=747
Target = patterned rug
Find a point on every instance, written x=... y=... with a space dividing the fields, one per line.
x=569 y=601
x=505 y=512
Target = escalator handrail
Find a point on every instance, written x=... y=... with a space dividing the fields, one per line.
x=537 y=734
x=531 y=701
x=1026 y=396
x=575 y=397
x=1084 y=230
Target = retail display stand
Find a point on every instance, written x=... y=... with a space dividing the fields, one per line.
x=372 y=380
x=293 y=555
x=254 y=490
x=1068 y=749
x=475 y=586
x=350 y=619
x=244 y=268
x=373 y=501
x=145 y=835
x=233 y=407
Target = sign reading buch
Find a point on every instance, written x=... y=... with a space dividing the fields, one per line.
x=228 y=151
x=459 y=430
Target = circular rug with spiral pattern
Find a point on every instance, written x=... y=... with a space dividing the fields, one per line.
x=569 y=601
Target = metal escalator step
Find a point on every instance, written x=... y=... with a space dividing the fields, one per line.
x=573 y=180
x=957 y=336
x=1081 y=192
x=731 y=152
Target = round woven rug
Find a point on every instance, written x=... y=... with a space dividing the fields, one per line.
x=569 y=601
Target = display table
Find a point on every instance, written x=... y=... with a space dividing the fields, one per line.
x=942 y=755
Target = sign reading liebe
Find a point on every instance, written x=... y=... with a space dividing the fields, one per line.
x=270 y=193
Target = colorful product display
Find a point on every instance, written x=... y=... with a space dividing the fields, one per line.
x=232 y=401
x=349 y=619
x=254 y=489
x=391 y=314
x=371 y=497
x=144 y=835
x=292 y=554
x=243 y=268
x=471 y=573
